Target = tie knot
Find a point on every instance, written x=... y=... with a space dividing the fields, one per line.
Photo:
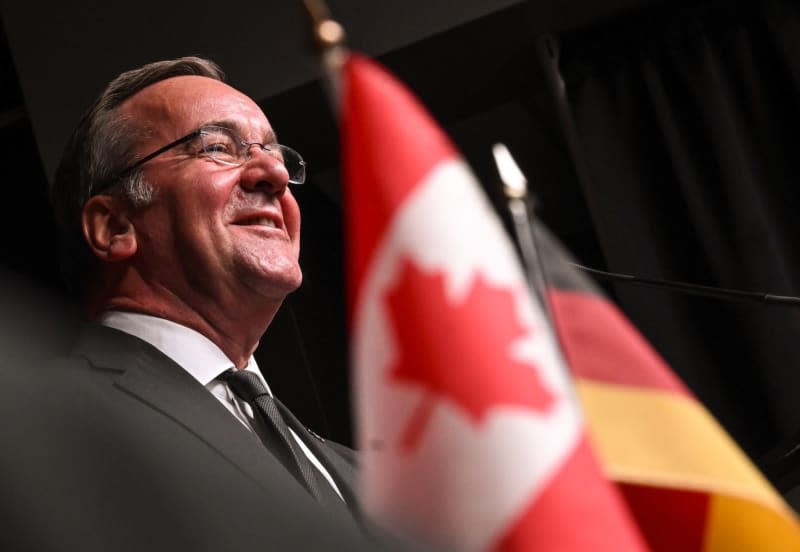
x=245 y=385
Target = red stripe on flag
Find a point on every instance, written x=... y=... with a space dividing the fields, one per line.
x=670 y=519
x=576 y=512
x=389 y=144
x=602 y=345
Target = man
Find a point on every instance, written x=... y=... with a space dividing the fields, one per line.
x=181 y=236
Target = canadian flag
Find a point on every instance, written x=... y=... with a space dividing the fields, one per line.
x=470 y=430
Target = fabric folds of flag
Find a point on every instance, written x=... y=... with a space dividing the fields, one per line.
x=686 y=481
x=467 y=419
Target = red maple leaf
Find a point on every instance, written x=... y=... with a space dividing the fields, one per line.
x=459 y=351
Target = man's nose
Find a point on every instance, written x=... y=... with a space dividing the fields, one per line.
x=262 y=170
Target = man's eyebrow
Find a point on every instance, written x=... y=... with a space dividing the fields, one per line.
x=269 y=138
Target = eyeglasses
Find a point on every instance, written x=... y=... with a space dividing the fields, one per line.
x=225 y=146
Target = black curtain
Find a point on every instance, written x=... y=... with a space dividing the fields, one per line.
x=682 y=125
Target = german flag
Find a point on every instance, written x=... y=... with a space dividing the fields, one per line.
x=687 y=483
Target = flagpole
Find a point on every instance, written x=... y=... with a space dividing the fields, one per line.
x=329 y=37
x=515 y=188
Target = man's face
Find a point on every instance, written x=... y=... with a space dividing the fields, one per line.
x=214 y=233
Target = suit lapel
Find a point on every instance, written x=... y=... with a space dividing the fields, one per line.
x=145 y=373
x=342 y=470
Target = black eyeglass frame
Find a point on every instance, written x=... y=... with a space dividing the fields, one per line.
x=191 y=136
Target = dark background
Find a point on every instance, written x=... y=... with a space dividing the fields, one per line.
x=672 y=155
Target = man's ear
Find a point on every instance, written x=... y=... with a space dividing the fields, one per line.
x=108 y=229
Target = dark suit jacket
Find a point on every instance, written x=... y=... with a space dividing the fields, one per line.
x=115 y=447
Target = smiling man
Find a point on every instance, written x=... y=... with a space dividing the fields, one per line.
x=216 y=248
x=181 y=236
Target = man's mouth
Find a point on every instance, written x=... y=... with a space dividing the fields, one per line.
x=257 y=221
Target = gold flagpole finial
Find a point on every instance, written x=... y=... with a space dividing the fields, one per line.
x=327 y=32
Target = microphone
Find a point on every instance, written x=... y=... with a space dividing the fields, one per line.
x=695 y=289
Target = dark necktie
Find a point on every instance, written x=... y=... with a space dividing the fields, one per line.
x=274 y=432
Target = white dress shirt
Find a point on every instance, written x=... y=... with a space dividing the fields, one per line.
x=201 y=359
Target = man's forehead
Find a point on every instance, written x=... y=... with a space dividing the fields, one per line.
x=190 y=85
x=195 y=100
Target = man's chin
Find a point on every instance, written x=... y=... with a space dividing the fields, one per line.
x=277 y=285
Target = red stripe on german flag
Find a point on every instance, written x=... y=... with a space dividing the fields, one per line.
x=688 y=511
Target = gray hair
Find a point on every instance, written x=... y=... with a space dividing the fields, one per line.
x=100 y=148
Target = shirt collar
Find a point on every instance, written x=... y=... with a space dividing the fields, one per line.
x=193 y=351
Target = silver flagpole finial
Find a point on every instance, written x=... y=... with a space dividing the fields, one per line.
x=515 y=184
